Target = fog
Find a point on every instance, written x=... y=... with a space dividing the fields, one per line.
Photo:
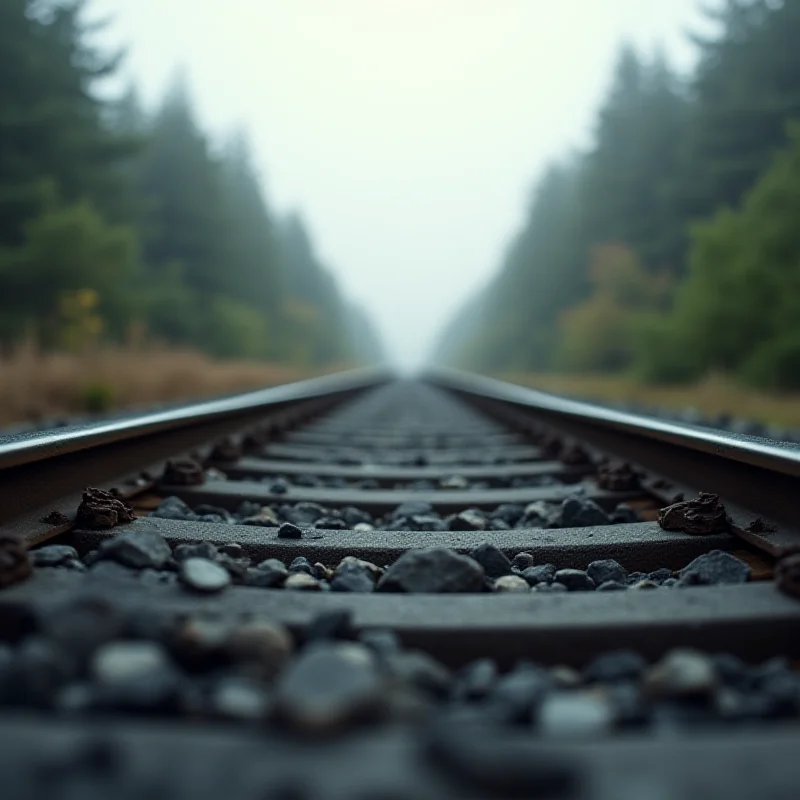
x=409 y=132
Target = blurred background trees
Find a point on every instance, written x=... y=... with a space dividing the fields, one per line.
x=667 y=249
x=116 y=220
x=670 y=248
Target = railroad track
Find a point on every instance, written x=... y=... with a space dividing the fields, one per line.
x=359 y=587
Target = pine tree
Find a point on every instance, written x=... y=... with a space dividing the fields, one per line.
x=746 y=88
x=182 y=184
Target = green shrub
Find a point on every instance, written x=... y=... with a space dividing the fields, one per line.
x=662 y=355
x=234 y=330
x=97 y=398
x=774 y=365
x=739 y=308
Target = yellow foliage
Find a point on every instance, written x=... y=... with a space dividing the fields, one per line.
x=614 y=269
x=596 y=334
x=301 y=313
x=79 y=325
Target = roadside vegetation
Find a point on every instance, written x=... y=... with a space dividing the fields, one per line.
x=38 y=385
x=119 y=221
x=669 y=250
x=713 y=396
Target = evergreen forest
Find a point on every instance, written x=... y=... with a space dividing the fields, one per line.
x=669 y=248
x=119 y=222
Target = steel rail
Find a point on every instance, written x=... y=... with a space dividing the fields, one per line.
x=36 y=469
x=23 y=448
x=756 y=473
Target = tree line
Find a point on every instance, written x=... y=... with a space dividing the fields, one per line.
x=116 y=221
x=670 y=247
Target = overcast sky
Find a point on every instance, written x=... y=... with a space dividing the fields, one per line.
x=409 y=132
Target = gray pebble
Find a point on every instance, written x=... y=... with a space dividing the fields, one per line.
x=494 y=562
x=550 y=588
x=543 y=573
x=372 y=569
x=623 y=514
x=263 y=518
x=611 y=586
x=237 y=567
x=289 y=531
x=682 y=672
x=580 y=512
x=137 y=549
x=111 y=571
x=733 y=671
x=123 y=661
x=53 y=555
x=565 y=677
x=475 y=680
x=336 y=624
x=239 y=699
x=432 y=569
x=304 y=514
x=574 y=715
x=469 y=520
x=37 y=670
x=780 y=694
x=301 y=581
x=330 y=686
x=279 y=486
x=381 y=641
x=76 y=698
x=510 y=513
x=454 y=482
x=195 y=550
x=660 y=575
x=153 y=577
x=330 y=524
x=716 y=567
x=173 y=508
x=576 y=580
x=301 y=564
x=248 y=508
x=412 y=508
x=268 y=574
x=512 y=584
x=204 y=575
x=355 y=516
x=418 y=669
x=135 y=675
x=209 y=513
x=352 y=578
x=607 y=570
x=618 y=665
x=260 y=649
x=523 y=561
x=515 y=695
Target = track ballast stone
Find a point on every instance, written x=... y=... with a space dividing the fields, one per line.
x=202 y=566
x=334 y=678
x=207 y=652
x=574 y=511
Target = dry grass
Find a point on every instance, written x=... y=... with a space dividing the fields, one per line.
x=714 y=395
x=35 y=385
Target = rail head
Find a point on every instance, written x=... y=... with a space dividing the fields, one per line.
x=25 y=448
x=749 y=473
x=783 y=457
